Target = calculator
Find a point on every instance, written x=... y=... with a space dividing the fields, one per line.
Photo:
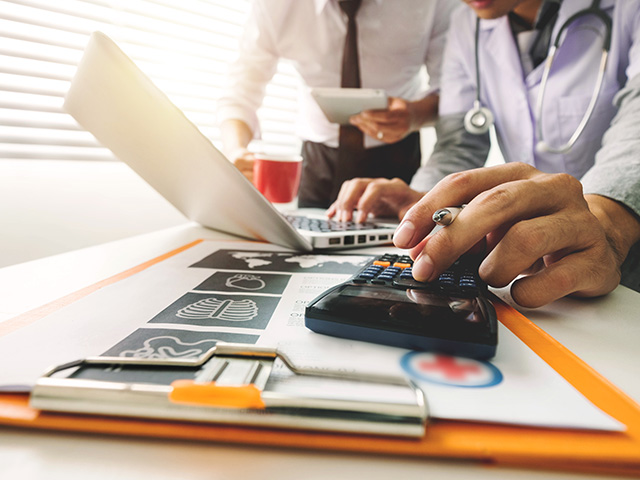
x=384 y=304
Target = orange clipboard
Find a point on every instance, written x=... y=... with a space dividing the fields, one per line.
x=593 y=452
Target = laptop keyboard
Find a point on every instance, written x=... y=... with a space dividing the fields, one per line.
x=328 y=225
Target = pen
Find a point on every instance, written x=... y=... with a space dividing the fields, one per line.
x=445 y=216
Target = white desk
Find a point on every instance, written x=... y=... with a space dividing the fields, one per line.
x=604 y=332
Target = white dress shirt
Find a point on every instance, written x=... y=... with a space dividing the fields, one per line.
x=396 y=38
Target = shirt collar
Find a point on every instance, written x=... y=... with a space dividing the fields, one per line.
x=321 y=4
x=568 y=8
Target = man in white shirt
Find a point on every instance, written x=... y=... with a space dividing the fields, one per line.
x=395 y=40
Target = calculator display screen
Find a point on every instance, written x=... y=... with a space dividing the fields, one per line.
x=407 y=296
x=411 y=311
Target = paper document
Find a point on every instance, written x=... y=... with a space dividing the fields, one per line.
x=256 y=294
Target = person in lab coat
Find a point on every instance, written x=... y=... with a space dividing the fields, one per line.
x=568 y=221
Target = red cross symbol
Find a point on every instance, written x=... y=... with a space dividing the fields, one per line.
x=449 y=367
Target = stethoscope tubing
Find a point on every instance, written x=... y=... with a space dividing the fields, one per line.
x=479 y=119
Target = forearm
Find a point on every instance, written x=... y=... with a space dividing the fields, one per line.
x=455 y=151
x=424 y=112
x=621 y=225
x=616 y=173
x=612 y=185
x=236 y=135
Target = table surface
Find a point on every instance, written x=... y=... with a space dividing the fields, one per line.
x=602 y=331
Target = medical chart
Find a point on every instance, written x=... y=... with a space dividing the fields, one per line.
x=256 y=294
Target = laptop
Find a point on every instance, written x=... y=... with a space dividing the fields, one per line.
x=110 y=97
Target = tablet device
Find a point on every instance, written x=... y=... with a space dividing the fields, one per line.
x=338 y=104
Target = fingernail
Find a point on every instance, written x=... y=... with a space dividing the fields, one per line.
x=404 y=233
x=422 y=268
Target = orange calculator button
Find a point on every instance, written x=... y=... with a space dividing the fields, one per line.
x=381 y=263
x=402 y=265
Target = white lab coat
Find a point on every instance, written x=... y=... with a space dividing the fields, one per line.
x=512 y=96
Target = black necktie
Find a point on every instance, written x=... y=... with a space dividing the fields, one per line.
x=351 y=138
x=545 y=21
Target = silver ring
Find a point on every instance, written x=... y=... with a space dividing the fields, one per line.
x=380 y=135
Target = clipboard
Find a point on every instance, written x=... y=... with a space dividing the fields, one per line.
x=234 y=384
x=593 y=452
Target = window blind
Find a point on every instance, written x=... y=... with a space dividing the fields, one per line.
x=184 y=47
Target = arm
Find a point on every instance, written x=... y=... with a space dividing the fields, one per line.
x=236 y=136
x=565 y=241
x=612 y=185
x=534 y=224
x=456 y=150
x=540 y=229
x=247 y=80
x=404 y=116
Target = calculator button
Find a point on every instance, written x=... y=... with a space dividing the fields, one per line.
x=412 y=283
x=402 y=265
x=381 y=263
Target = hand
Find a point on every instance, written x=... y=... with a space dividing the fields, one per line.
x=535 y=224
x=378 y=196
x=389 y=126
x=243 y=159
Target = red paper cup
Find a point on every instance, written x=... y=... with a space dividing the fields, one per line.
x=277 y=176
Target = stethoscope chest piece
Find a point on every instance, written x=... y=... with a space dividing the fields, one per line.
x=478 y=120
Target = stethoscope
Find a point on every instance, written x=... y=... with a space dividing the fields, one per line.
x=479 y=119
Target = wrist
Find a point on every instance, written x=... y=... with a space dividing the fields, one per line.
x=236 y=152
x=423 y=112
x=414 y=117
x=621 y=225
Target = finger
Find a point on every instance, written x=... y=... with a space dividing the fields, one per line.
x=456 y=189
x=579 y=273
x=384 y=197
x=331 y=211
x=368 y=128
x=415 y=252
x=388 y=132
x=528 y=241
x=505 y=204
x=371 y=196
x=535 y=268
x=348 y=197
x=243 y=163
x=246 y=167
x=397 y=109
x=381 y=117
